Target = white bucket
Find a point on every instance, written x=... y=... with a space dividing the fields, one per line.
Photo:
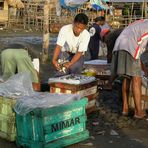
x=36 y=64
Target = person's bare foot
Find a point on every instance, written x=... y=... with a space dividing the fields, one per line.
x=125 y=112
x=139 y=115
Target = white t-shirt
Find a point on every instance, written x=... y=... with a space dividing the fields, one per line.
x=72 y=43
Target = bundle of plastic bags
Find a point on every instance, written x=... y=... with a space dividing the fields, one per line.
x=17 y=85
x=40 y=100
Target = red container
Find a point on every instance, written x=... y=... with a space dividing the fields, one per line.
x=88 y=90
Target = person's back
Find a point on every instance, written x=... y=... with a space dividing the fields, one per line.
x=133 y=38
x=95 y=35
x=110 y=40
x=15 y=59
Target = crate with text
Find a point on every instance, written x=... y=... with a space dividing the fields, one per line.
x=56 y=126
x=144 y=91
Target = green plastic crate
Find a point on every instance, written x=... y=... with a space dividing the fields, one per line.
x=7 y=124
x=8 y=136
x=7 y=127
x=61 y=142
x=44 y=126
x=7 y=119
x=6 y=106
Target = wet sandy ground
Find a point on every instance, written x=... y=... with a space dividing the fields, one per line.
x=108 y=129
x=127 y=139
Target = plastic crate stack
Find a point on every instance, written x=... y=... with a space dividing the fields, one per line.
x=53 y=127
x=85 y=86
x=101 y=69
x=7 y=119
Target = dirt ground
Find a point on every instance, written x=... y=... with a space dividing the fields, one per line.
x=107 y=127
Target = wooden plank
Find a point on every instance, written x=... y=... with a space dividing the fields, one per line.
x=3 y=15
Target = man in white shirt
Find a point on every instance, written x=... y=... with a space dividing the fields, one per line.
x=73 y=39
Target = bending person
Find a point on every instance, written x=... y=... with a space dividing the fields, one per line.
x=15 y=59
x=129 y=46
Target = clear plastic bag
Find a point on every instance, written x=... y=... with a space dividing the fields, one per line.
x=145 y=81
x=42 y=100
x=72 y=3
x=103 y=49
x=75 y=79
x=17 y=85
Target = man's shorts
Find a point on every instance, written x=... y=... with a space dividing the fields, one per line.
x=124 y=64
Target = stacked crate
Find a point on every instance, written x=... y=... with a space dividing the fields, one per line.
x=144 y=99
x=101 y=69
x=118 y=12
x=7 y=118
x=88 y=90
x=53 y=127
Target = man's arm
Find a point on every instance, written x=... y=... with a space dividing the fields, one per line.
x=74 y=60
x=57 y=51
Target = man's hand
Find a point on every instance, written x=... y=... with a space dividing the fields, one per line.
x=67 y=65
x=55 y=57
x=76 y=57
x=56 y=65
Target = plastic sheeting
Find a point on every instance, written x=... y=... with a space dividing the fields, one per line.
x=99 y=4
x=72 y=79
x=16 y=86
x=144 y=79
x=72 y=4
x=96 y=62
x=41 y=100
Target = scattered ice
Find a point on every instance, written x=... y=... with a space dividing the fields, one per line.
x=113 y=133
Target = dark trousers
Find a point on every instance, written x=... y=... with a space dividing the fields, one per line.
x=77 y=67
x=94 y=53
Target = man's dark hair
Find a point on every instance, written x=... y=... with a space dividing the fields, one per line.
x=81 y=18
x=110 y=40
x=100 y=18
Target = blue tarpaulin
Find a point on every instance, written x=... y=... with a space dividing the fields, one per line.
x=130 y=1
x=72 y=4
x=97 y=7
x=62 y=3
x=99 y=4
